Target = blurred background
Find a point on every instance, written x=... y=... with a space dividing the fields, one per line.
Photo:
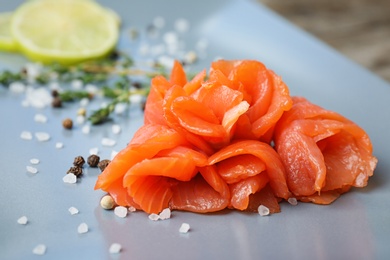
x=360 y=29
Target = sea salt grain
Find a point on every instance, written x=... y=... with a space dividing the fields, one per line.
x=113 y=154
x=39 y=249
x=121 y=211
x=70 y=178
x=73 y=210
x=42 y=136
x=86 y=129
x=184 y=228
x=108 y=142
x=17 y=87
x=82 y=228
x=263 y=210
x=182 y=25
x=94 y=150
x=120 y=108
x=292 y=201
x=25 y=135
x=31 y=169
x=116 y=129
x=159 y=22
x=165 y=214
x=115 y=248
x=154 y=217
x=132 y=209
x=22 y=220
x=59 y=145
x=34 y=161
x=40 y=118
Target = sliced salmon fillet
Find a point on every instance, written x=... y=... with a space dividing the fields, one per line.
x=206 y=145
x=323 y=152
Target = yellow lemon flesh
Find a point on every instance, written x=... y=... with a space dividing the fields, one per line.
x=64 y=31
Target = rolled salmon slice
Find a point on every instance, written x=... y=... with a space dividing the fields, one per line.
x=324 y=153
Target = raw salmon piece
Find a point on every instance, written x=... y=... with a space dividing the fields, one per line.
x=152 y=193
x=178 y=75
x=240 y=191
x=147 y=142
x=323 y=152
x=193 y=85
x=240 y=167
x=263 y=151
x=205 y=193
x=153 y=112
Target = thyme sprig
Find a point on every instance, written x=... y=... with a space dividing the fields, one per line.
x=113 y=76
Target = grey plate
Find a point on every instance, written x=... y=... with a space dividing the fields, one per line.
x=356 y=226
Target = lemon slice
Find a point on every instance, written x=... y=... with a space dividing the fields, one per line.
x=64 y=31
x=7 y=42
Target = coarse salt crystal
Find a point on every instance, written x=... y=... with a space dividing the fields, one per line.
x=31 y=169
x=292 y=201
x=120 y=108
x=25 y=135
x=76 y=84
x=22 y=220
x=84 y=102
x=182 y=25
x=38 y=98
x=17 y=87
x=40 y=118
x=70 y=178
x=34 y=161
x=184 y=228
x=159 y=22
x=86 y=129
x=59 y=145
x=108 y=142
x=73 y=210
x=154 y=217
x=42 y=136
x=39 y=249
x=82 y=228
x=263 y=210
x=132 y=209
x=91 y=88
x=121 y=211
x=190 y=57
x=113 y=154
x=165 y=214
x=170 y=38
x=116 y=129
x=94 y=150
x=136 y=99
x=80 y=119
x=115 y=248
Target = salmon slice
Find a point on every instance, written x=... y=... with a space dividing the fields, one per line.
x=173 y=122
x=240 y=167
x=178 y=75
x=264 y=197
x=153 y=112
x=240 y=191
x=147 y=142
x=263 y=151
x=152 y=193
x=323 y=152
x=197 y=195
x=193 y=85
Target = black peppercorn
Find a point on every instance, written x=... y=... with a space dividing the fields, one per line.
x=79 y=161
x=57 y=102
x=103 y=164
x=75 y=170
x=93 y=160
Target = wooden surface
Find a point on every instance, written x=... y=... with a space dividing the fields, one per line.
x=360 y=29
